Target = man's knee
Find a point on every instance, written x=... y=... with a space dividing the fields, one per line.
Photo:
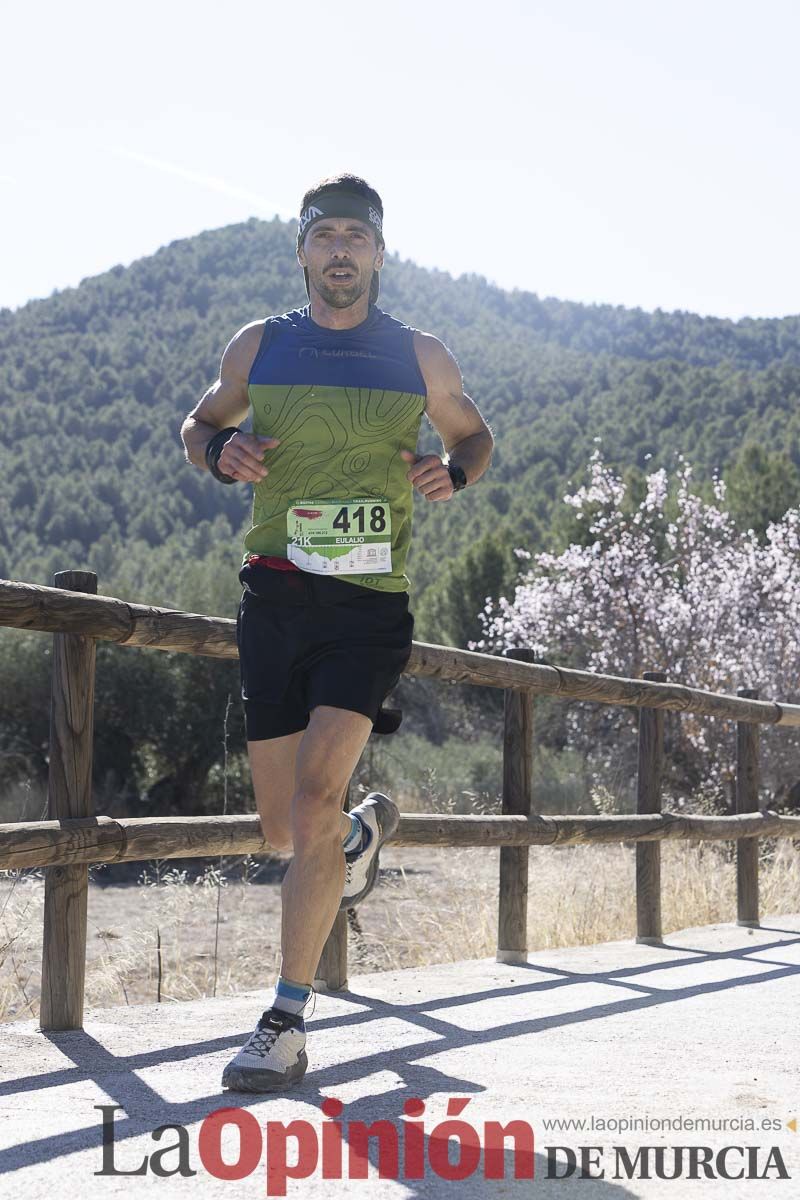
x=316 y=813
x=278 y=835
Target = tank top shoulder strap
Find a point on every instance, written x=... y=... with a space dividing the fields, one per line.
x=401 y=336
x=407 y=334
x=266 y=338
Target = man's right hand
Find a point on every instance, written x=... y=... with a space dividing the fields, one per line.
x=242 y=456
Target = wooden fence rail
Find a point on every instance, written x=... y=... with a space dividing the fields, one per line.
x=72 y=837
x=137 y=839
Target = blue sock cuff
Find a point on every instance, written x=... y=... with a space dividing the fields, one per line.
x=292 y=991
x=354 y=837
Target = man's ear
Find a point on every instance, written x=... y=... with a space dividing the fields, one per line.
x=301 y=257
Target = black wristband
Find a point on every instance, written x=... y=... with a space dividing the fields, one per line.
x=214 y=449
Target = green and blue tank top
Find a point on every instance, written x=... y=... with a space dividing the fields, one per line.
x=344 y=403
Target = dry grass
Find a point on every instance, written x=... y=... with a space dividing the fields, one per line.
x=432 y=905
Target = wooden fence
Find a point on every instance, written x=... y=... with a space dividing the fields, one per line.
x=73 y=837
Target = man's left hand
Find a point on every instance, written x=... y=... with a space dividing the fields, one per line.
x=429 y=475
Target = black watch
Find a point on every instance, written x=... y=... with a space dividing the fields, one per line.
x=457 y=476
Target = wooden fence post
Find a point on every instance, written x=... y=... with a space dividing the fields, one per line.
x=331 y=972
x=747 y=780
x=648 y=800
x=512 y=923
x=69 y=794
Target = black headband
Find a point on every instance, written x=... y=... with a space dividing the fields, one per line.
x=339 y=203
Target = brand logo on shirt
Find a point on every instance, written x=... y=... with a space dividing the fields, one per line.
x=313 y=352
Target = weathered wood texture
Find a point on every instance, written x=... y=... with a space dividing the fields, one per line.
x=512 y=920
x=648 y=800
x=30 y=606
x=104 y=839
x=69 y=795
x=747 y=781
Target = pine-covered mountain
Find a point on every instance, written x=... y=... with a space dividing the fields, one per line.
x=96 y=380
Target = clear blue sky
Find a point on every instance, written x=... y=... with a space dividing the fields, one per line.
x=637 y=152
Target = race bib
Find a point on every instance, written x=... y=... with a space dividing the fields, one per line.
x=340 y=537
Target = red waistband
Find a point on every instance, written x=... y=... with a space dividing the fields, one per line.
x=269 y=560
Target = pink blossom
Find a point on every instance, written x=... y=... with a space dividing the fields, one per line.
x=694 y=596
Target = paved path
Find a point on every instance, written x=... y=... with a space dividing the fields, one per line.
x=702 y=1027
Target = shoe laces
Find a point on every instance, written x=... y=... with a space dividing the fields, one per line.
x=262 y=1040
x=266 y=1032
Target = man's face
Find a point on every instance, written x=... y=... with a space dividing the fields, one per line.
x=340 y=253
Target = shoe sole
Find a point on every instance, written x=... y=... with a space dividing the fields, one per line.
x=250 y=1079
x=372 y=870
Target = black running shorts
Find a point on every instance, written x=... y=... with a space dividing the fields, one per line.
x=308 y=639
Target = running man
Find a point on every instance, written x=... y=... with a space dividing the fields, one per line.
x=337 y=390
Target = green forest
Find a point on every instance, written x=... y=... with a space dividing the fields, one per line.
x=96 y=380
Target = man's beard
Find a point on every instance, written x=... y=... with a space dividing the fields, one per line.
x=338 y=295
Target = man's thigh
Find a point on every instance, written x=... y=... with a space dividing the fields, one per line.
x=272 y=766
x=329 y=750
x=324 y=754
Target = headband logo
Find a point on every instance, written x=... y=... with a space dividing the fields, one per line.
x=309 y=215
x=312 y=212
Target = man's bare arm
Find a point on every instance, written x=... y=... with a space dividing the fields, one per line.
x=226 y=403
x=466 y=438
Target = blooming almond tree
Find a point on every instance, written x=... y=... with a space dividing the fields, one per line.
x=671 y=585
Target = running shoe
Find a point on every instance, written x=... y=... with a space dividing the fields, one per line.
x=380 y=817
x=273 y=1057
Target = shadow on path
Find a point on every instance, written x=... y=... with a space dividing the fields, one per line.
x=116 y=1075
